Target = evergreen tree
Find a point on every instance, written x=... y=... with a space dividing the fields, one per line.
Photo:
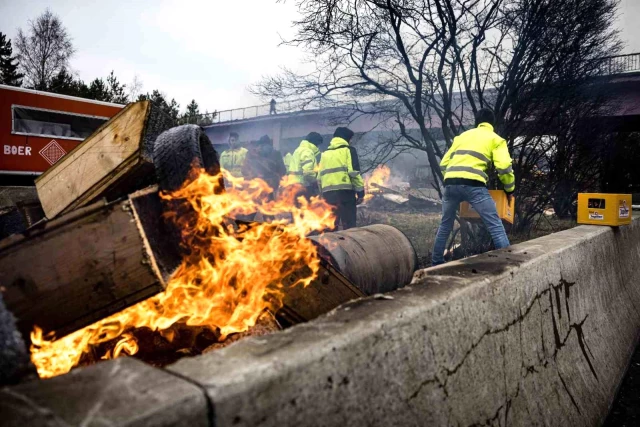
x=117 y=91
x=64 y=83
x=192 y=113
x=108 y=90
x=97 y=90
x=207 y=118
x=8 y=65
x=171 y=108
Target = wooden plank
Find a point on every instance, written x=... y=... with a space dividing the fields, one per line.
x=75 y=270
x=94 y=159
x=161 y=238
x=110 y=163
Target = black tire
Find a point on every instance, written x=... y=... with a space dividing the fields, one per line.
x=177 y=150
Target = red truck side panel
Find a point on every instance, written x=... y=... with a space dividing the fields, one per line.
x=27 y=154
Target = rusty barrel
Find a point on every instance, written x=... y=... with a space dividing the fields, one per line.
x=377 y=258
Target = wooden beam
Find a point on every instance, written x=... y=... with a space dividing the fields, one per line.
x=72 y=271
x=112 y=162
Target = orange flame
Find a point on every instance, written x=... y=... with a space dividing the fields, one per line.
x=231 y=274
x=380 y=176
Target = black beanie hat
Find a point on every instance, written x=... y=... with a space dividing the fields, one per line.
x=264 y=139
x=344 y=133
x=315 y=138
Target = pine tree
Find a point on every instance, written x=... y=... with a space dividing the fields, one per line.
x=192 y=113
x=117 y=92
x=171 y=108
x=207 y=118
x=8 y=65
x=64 y=83
x=97 y=90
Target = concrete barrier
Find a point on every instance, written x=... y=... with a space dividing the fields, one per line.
x=540 y=333
x=122 y=392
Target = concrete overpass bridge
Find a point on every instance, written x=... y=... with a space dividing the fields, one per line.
x=295 y=118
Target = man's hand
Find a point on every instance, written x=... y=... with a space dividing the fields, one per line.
x=359 y=197
x=509 y=196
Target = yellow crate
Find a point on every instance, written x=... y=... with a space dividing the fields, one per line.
x=505 y=209
x=604 y=209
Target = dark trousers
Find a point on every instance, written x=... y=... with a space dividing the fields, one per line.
x=344 y=207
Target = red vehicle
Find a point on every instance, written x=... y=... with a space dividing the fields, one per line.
x=38 y=128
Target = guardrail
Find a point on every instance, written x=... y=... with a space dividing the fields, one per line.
x=620 y=64
x=283 y=107
x=617 y=64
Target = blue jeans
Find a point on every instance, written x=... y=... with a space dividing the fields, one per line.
x=481 y=201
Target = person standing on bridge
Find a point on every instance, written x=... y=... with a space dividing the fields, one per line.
x=233 y=159
x=339 y=178
x=303 y=168
x=465 y=180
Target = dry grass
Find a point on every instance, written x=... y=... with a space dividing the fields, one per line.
x=543 y=226
x=421 y=228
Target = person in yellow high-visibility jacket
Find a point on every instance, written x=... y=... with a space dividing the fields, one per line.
x=233 y=159
x=339 y=178
x=303 y=168
x=465 y=179
x=287 y=160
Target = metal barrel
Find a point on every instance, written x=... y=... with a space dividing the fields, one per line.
x=377 y=258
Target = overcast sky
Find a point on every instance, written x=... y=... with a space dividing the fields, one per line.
x=210 y=50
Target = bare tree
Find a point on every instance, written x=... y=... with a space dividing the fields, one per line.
x=44 y=50
x=427 y=66
x=135 y=88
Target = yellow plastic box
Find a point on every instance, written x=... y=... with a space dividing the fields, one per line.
x=604 y=209
x=505 y=209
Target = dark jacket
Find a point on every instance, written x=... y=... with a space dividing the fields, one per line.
x=271 y=168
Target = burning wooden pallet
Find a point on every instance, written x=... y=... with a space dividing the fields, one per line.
x=82 y=267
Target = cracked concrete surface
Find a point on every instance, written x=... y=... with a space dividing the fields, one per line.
x=537 y=334
x=122 y=392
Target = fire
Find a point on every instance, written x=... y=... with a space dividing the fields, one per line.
x=380 y=176
x=230 y=275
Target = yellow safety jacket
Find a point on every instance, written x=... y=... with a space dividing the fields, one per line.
x=287 y=161
x=232 y=160
x=473 y=151
x=303 y=168
x=337 y=171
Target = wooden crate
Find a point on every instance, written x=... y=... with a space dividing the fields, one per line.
x=114 y=161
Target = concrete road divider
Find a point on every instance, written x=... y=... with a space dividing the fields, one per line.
x=536 y=334
x=540 y=333
x=122 y=392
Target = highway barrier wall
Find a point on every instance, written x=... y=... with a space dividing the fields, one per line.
x=539 y=333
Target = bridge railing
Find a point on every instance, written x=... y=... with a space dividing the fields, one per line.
x=281 y=107
x=618 y=64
